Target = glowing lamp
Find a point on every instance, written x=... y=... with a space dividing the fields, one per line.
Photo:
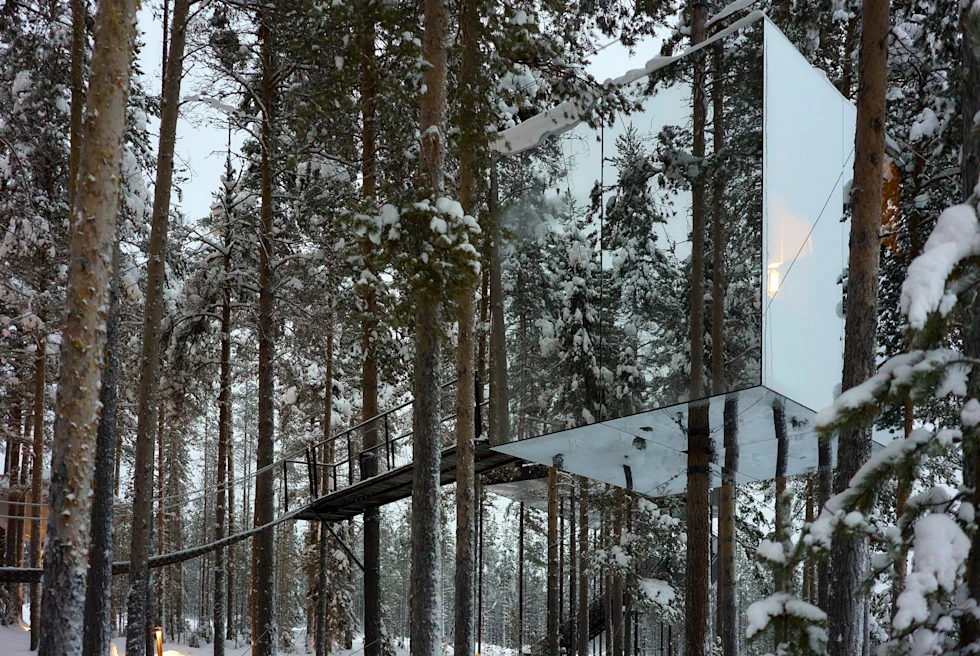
x=772 y=285
x=158 y=634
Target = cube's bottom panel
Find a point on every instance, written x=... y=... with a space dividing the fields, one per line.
x=647 y=452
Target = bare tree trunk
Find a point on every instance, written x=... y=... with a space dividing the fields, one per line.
x=37 y=478
x=848 y=554
x=617 y=578
x=727 y=591
x=572 y=635
x=553 y=600
x=14 y=545
x=499 y=418
x=98 y=596
x=583 y=566
x=83 y=330
x=323 y=539
x=230 y=626
x=809 y=571
x=471 y=136
x=970 y=23
x=367 y=34
x=263 y=546
x=426 y=629
x=139 y=575
x=224 y=441
x=699 y=442
x=77 y=81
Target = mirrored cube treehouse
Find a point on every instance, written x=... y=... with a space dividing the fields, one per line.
x=597 y=257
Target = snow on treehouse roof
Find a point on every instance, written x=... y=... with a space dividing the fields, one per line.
x=567 y=115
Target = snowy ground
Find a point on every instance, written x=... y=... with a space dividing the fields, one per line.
x=16 y=641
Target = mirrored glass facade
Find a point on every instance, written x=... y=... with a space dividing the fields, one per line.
x=597 y=260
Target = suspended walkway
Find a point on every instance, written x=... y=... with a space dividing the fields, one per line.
x=316 y=484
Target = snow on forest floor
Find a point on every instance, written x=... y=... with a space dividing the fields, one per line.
x=16 y=641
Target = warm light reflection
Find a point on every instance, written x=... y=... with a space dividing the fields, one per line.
x=158 y=633
x=772 y=286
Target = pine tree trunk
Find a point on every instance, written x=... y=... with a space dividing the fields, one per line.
x=572 y=635
x=553 y=600
x=77 y=80
x=727 y=591
x=139 y=573
x=367 y=35
x=264 y=638
x=224 y=440
x=617 y=578
x=699 y=443
x=498 y=424
x=323 y=541
x=970 y=630
x=848 y=554
x=471 y=133
x=230 y=628
x=426 y=629
x=13 y=544
x=37 y=477
x=83 y=330
x=583 y=566
x=98 y=596
x=809 y=572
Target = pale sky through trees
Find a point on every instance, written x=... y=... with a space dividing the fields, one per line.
x=201 y=140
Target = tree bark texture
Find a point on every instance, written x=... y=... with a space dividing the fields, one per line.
x=369 y=328
x=224 y=440
x=264 y=638
x=728 y=628
x=369 y=404
x=699 y=441
x=616 y=598
x=323 y=538
x=471 y=133
x=37 y=478
x=970 y=19
x=718 y=237
x=553 y=601
x=499 y=419
x=583 y=567
x=848 y=554
x=14 y=544
x=426 y=589
x=98 y=597
x=83 y=330
x=139 y=575
x=77 y=80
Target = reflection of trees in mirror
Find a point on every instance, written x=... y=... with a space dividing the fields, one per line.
x=597 y=284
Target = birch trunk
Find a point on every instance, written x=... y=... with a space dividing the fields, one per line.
x=848 y=554
x=83 y=330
